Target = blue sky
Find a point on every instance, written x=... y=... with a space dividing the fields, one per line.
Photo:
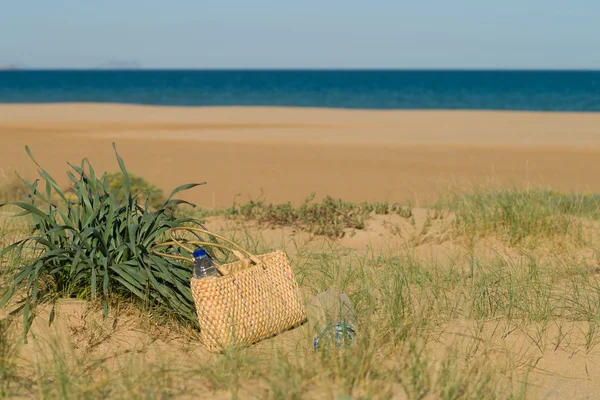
x=301 y=34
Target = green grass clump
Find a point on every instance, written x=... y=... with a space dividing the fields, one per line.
x=329 y=217
x=97 y=244
x=519 y=215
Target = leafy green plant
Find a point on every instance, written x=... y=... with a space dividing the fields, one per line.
x=382 y=208
x=97 y=244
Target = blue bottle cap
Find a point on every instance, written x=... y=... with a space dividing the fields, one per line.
x=199 y=253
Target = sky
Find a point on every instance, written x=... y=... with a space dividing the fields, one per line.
x=435 y=34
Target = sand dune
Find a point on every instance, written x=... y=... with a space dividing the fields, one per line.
x=287 y=153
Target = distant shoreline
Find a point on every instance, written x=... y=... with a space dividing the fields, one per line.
x=291 y=108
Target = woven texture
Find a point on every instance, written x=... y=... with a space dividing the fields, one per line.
x=249 y=303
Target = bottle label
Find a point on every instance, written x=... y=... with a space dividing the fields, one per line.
x=342 y=332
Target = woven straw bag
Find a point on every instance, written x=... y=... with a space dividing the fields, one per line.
x=255 y=297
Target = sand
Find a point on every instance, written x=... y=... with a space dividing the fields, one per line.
x=287 y=153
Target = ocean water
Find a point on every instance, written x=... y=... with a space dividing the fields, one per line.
x=467 y=90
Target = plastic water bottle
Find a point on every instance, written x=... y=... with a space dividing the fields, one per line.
x=203 y=266
x=333 y=319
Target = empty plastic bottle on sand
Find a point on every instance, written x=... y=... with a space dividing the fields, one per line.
x=203 y=266
x=333 y=319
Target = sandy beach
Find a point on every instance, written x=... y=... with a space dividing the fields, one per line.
x=287 y=153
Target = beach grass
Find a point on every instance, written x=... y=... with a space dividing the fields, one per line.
x=520 y=215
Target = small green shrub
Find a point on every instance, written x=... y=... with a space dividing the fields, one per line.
x=139 y=187
x=329 y=217
x=98 y=244
x=381 y=208
x=405 y=212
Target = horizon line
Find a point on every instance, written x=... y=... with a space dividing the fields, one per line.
x=11 y=68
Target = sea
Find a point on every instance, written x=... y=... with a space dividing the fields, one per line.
x=557 y=91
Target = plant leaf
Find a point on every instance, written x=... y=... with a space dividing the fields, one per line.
x=184 y=187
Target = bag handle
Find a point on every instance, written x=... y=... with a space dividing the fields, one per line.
x=237 y=250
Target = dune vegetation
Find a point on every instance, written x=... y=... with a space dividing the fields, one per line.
x=492 y=293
